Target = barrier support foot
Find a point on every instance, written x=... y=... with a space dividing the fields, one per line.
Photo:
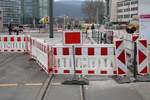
x=143 y=78
x=76 y=82
x=122 y=79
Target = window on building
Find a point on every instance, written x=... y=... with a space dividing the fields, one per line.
x=120 y=10
x=127 y=16
x=134 y=9
x=127 y=10
x=126 y=3
x=120 y=4
x=134 y=2
x=132 y=15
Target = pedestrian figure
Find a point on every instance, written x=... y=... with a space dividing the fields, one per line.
x=10 y=28
x=16 y=30
x=86 y=31
x=69 y=27
x=92 y=28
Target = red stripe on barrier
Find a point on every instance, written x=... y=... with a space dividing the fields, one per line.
x=104 y=51
x=18 y=39
x=5 y=39
x=66 y=71
x=115 y=72
x=55 y=51
x=91 y=72
x=25 y=39
x=19 y=50
x=134 y=38
x=144 y=43
x=12 y=50
x=141 y=57
x=118 y=43
x=120 y=71
x=12 y=39
x=55 y=71
x=65 y=51
x=78 y=71
x=144 y=71
x=31 y=41
x=103 y=72
x=122 y=57
x=50 y=70
x=78 y=51
x=90 y=51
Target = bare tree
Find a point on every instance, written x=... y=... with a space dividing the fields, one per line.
x=94 y=10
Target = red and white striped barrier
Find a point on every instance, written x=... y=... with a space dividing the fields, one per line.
x=120 y=53
x=13 y=43
x=142 y=57
x=40 y=52
x=89 y=60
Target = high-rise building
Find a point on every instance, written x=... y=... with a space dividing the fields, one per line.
x=29 y=11
x=126 y=10
x=11 y=11
x=43 y=8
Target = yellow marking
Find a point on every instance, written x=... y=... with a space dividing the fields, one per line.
x=8 y=85
x=33 y=84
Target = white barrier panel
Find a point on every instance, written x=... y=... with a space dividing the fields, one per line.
x=63 y=59
x=89 y=60
x=13 y=43
x=121 y=61
x=142 y=57
x=40 y=52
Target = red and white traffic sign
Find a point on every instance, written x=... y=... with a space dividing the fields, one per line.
x=142 y=57
x=72 y=37
x=120 y=53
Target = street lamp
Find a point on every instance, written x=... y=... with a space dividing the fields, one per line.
x=50 y=12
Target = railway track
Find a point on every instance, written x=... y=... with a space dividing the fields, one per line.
x=56 y=91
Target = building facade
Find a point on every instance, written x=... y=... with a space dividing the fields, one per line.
x=126 y=10
x=11 y=11
x=1 y=20
x=113 y=10
x=43 y=8
x=123 y=10
x=29 y=11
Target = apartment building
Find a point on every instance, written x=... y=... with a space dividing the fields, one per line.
x=126 y=10
x=113 y=10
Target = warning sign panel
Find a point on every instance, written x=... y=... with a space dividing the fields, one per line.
x=71 y=37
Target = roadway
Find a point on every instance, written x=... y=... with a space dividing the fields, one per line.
x=20 y=79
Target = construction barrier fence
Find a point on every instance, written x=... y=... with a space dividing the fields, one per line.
x=84 y=59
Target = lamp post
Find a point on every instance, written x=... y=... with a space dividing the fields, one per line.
x=50 y=12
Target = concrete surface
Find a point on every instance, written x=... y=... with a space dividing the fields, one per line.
x=110 y=90
x=20 y=79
